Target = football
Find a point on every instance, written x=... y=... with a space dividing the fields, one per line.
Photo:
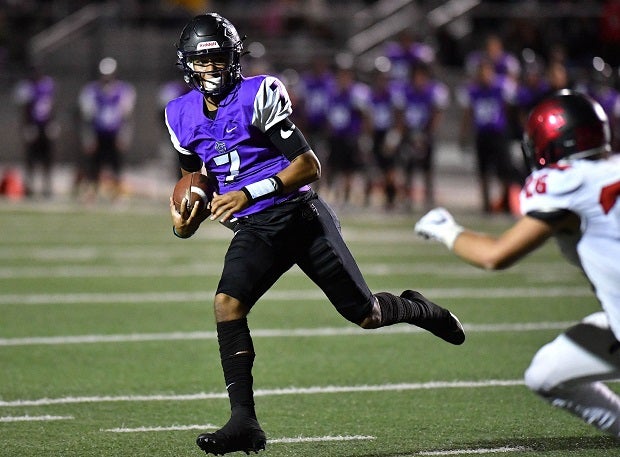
x=195 y=187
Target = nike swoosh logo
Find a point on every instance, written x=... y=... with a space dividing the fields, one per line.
x=287 y=133
x=230 y=130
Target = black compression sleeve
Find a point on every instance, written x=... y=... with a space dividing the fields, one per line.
x=550 y=215
x=190 y=162
x=287 y=138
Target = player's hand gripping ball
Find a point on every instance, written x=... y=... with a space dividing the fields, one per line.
x=195 y=187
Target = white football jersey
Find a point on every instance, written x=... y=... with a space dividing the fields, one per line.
x=590 y=189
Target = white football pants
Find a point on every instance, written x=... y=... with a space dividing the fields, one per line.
x=568 y=372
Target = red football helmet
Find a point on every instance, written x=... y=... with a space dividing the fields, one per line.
x=566 y=125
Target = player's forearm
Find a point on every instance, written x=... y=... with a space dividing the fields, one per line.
x=480 y=250
x=304 y=169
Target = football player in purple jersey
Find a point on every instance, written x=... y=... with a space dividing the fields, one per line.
x=35 y=95
x=420 y=109
x=106 y=106
x=486 y=103
x=239 y=129
x=572 y=196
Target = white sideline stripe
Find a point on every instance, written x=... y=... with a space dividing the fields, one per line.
x=34 y=418
x=160 y=429
x=476 y=451
x=270 y=392
x=282 y=295
x=271 y=333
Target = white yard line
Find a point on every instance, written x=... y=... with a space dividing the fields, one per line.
x=150 y=268
x=270 y=392
x=34 y=418
x=292 y=440
x=319 y=439
x=271 y=333
x=169 y=428
x=88 y=298
x=497 y=450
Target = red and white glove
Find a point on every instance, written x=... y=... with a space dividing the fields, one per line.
x=439 y=225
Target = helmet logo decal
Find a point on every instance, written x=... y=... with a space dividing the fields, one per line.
x=207 y=45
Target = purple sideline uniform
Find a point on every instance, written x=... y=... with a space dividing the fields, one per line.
x=233 y=146
x=38 y=97
x=315 y=91
x=419 y=104
x=403 y=59
x=107 y=106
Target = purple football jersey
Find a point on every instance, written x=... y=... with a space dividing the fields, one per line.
x=315 y=92
x=346 y=110
x=489 y=103
x=38 y=96
x=107 y=106
x=234 y=146
x=419 y=103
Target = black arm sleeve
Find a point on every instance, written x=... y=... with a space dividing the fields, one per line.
x=190 y=162
x=288 y=139
x=551 y=215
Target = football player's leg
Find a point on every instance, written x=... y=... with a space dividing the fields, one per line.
x=330 y=264
x=251 y=267
x=568 y=373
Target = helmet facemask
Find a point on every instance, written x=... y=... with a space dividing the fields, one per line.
x=211 y=73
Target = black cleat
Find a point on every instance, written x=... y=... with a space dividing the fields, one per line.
x=437 y=320
x=239 y=434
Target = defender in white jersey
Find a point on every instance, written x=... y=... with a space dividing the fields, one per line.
x=572 y=195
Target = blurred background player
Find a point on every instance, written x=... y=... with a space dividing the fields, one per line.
x=314 y=92
x=348 y=124
x=385 y=137
x=504 y=63
x=106 y=106
x=420 y=109
x=486 y=103
x=571 y=195
x=35 y=97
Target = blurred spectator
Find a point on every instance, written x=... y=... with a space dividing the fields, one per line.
x=35 y=96
x=313 y=93
x=384 y=143
x=348 y=125
x=169 y=90
x=504 y=62
x=405 y=52
x=421 y=106
x=106 y=106
x=532 y=88
x=486 y=103
x=558 y=77
x=600 y=86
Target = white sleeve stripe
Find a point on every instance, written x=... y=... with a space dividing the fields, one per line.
x=175 y=141
x=272 y=104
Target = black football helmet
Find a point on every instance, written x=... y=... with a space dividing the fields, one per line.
x=566 y=125
x=213 y=35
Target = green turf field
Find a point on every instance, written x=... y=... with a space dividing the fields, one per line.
x=107 y=345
